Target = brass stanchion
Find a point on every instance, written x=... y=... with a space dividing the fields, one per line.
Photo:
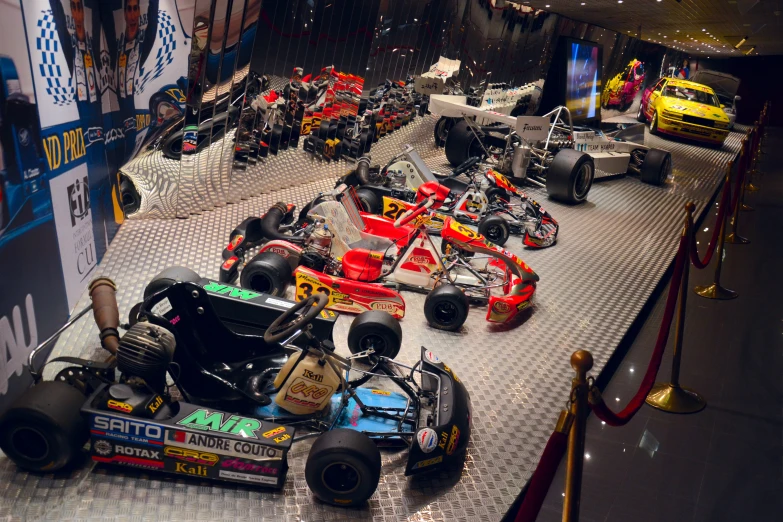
x=671 y=396
x=581 y=362
x=715 y=290
x=745 y=150
x=733 y=237
x=753 y=158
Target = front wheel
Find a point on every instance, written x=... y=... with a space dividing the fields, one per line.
x=494 y=228
x=640 y=114
x=656 y=167
x=43 y=430
x=375 y=330
x=268 y=273
x=441 y=131
x=446 y=307
x=654 y=123
x=570 y=176
x=343 y=467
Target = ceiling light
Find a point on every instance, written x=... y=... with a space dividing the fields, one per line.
x=703 y=30
x=739 y=44
x=619 y=1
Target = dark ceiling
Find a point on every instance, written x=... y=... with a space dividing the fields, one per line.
x=700 y=27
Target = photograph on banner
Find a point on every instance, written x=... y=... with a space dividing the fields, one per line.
x=33 y=307
x=634 y=66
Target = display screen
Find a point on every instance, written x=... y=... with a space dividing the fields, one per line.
x=583 y=79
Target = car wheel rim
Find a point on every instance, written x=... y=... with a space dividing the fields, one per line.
x=374 y=342
x=30 y=443
x=340 y=478
x=494 y=233
x=261 y=283
x=583 y=181
x=445 y=313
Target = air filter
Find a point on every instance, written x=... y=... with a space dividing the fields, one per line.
x=146 y=351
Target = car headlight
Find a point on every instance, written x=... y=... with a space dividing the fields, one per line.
x=721 y=125
x=672 y=115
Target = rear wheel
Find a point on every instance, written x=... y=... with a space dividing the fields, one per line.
x=461 y=144
x=377 y=330
x=168 y=277
x=494 y=228
x=441 y=131
x=44 y=430
x=640 y=114
x=369 y=200
x=570 y=176
x=654 y=123
x=446 y=307
x=343 y=467
x=495 y=193
x=656 y=167
x=268 y=273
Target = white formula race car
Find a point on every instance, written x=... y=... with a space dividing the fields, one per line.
x=547 y=151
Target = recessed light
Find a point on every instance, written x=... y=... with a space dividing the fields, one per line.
x=619 y=1
x=703 y=30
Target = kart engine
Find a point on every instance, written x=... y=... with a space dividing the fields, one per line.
x=145 y=351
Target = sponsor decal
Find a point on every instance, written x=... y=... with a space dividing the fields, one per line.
x=428 y=462
x=501 y=307
x=155 y=404
x=384 y=306
x=279 y=251
x=278 y=302
x=234 y=242
x=102 y=447
x=228 y=263
x=444 y=438
x=132 y=451
x=119 y=406
x=250 y=466
x=190 y=469
x=381 y=392
x=246 y=477
x=231 y=291
x=224 y=446
x=63 y=148
x=327 y=314
x=204 y=420
x=190 y=455
x=307 y=374
x=125 y=429
x=271 y=433
x=453 y=440
x=431 y=357
x=162 y=307
x=427 y=439
x=282 y=438
x=14 y=334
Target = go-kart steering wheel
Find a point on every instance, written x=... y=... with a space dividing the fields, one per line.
x=284 y=326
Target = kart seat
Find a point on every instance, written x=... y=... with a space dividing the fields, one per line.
x=361 y=264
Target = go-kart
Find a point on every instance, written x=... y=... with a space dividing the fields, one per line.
x=363 y=277
x=547 y=151
x=246 y=398
x=489 y=204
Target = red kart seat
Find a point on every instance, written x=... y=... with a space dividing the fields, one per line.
x=360 y=264
x=437 y=191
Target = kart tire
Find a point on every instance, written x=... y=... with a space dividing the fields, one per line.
x=441 y=130
x=43 y=431
x=655 y=167
x=446 y=307
x=654 y=123
x=130 y=197
x=640 y=117
x=369 y=200
x=570 y=176
x=168 y=277
x=461 y=144
x=172 y=146
x=343 y=467
x=495 y=229
x=377 y=330
x=494 y=193
x=275 y=138
x=268 y=273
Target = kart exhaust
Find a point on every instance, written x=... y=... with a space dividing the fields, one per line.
x=106 y=312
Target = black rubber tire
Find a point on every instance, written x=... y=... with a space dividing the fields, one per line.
x=168 y=277
x=654 y=122
x=564 y=180
x=43 y=430
x=275 y=138
x=461 y=144
x=441 y=130
x=369 y=200
x=268 y=273
x=343 y=455
x=640 y=117
x=495 y=229
x=655 y=167
x=446 y=307
x=377 y=328
x=493 y=193
x=130 y=197
x=172 y=146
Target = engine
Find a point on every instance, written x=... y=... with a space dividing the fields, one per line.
x=145 y=352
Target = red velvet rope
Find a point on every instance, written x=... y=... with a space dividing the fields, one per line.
x=694 y=251
x=542 y=477
x=600 y=409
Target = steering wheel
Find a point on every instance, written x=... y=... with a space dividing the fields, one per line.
x=285 y=325
x=466 y=166
x=410 y=215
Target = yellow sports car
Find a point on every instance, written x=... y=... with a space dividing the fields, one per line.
x=685 y=109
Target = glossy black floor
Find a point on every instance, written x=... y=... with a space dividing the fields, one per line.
x=726 y=462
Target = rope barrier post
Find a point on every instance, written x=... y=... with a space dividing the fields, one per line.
x=745 y=151
x=671 y=397
x=715 y=290
x=753 y=158
x=733 y=237
x=581 y=362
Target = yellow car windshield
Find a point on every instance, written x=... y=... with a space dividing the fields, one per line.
x=684 y=93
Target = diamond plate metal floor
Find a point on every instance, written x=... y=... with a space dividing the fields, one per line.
x=611 y=253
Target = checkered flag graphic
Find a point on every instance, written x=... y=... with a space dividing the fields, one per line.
x=165 y=55
x=58 y=86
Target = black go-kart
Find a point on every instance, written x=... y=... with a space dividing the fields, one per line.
x=250 y=387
